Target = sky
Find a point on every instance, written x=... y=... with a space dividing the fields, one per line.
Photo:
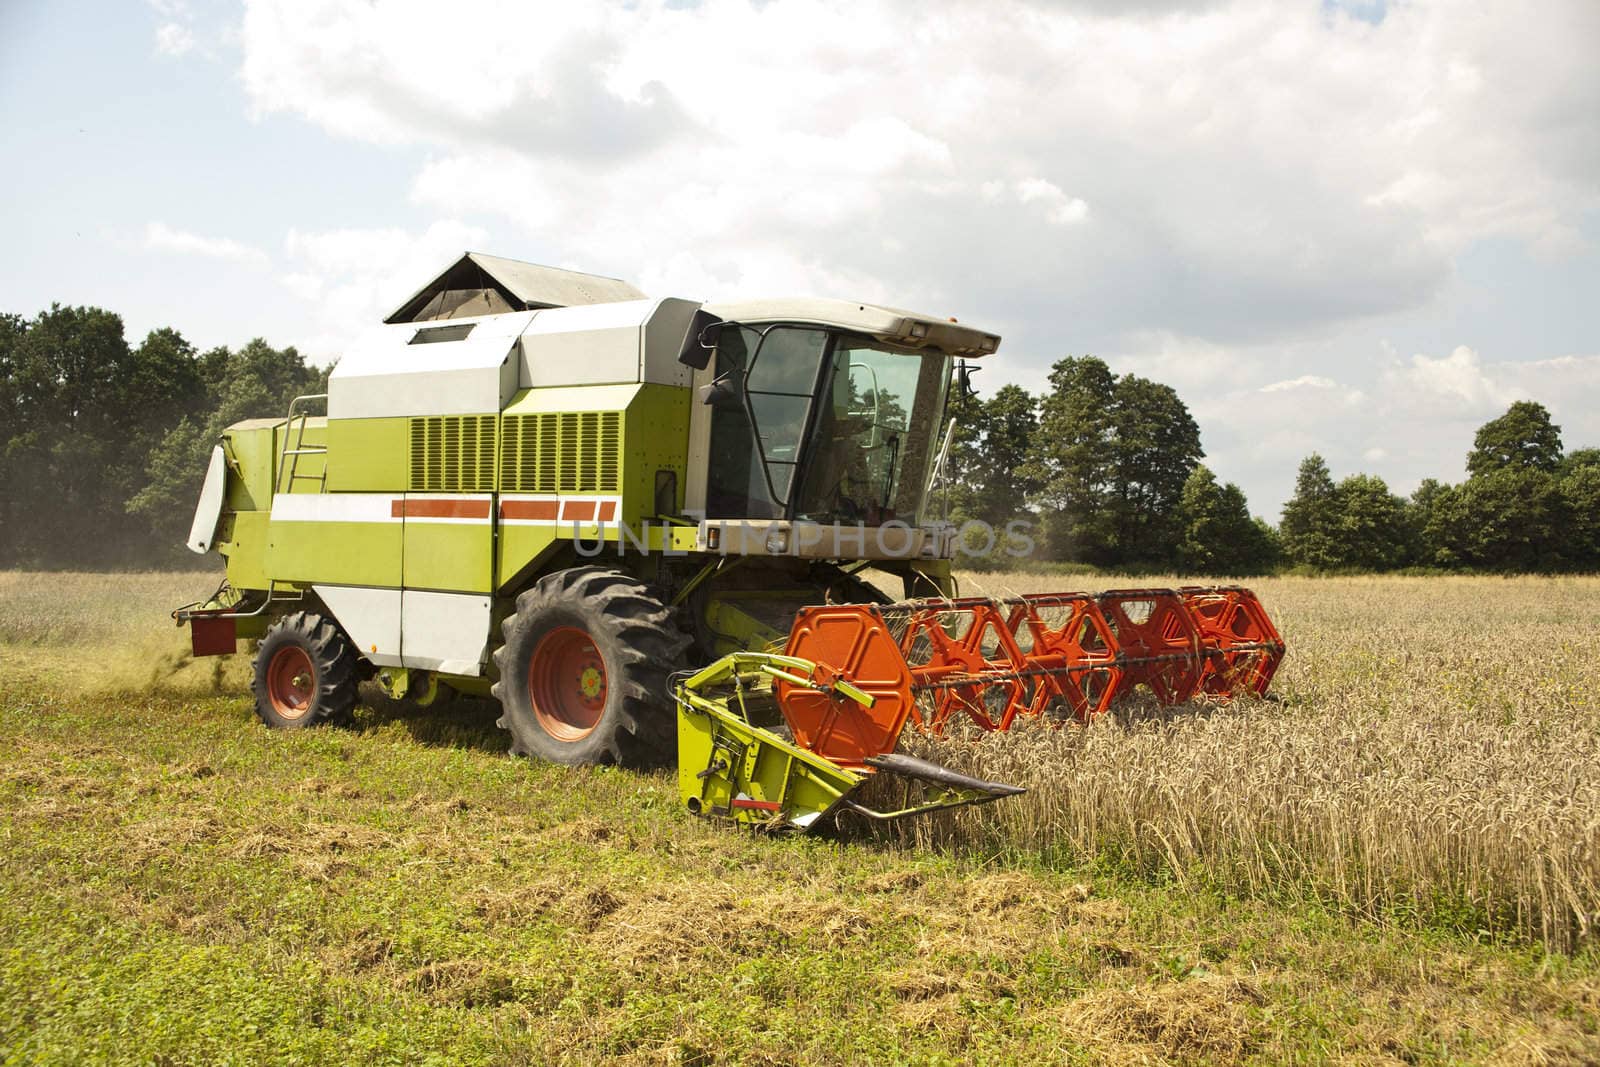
x=1356 y=228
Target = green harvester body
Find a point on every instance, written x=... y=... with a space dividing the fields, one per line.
x=521 y=454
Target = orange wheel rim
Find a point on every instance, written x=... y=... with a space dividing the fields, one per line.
x=291 y=682
x=567 y=684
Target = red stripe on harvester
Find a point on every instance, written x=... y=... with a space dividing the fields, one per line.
x=758 y=805
x=528 y=509
x=608 y=510
x=446 y=509
x=577 y=510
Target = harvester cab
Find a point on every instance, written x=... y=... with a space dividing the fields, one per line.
x=640 y=525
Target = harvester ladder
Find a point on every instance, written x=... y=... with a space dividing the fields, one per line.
x=289 y=458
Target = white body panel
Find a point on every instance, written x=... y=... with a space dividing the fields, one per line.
x=370 y=616
x=602 y=344
x=599 y=398
x=591 y=345
x=694 y=489
x=335 y=507
x=384 y=375
x=664 y=334
x=445 y=632
x=209 y=508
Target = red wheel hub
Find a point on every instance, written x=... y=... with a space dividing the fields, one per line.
x=567 y=684
x=291 y=682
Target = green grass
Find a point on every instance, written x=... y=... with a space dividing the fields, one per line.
x=178 y=884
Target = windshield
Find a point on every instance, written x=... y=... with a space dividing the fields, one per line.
x=873 y=414
x=873 y=446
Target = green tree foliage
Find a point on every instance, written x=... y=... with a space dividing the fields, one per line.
x=988 y=457
x=1110 y=458
x=1218 y=535
x=1070 y=460
x=257 y=380
x=86 y=421
x=1524 y=437
x=1511 y=519
x=12 y=330
x=1579 y=487
x=1580 y=459
x=72 y=436
x=1155 y=445
x=1310 y=524
x=1428 y=507
x=1525 y=507
x=1373 y=529
x=1357 y=524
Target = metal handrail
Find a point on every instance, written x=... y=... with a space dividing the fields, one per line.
x=300 y=448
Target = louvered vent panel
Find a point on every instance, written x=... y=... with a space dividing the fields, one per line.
x=610 y=451
x=567 y=465
x=483 y=469
x=549 y=453
x=452 y=454
x=562 y=452
x=589 y=450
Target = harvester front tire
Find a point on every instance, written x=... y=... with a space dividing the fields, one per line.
x=583 y=671
x=305 y=673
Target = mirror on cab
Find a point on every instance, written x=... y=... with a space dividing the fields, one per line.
x=726 y=391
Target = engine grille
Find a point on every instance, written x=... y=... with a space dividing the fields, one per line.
x=561 y=452
x=452 y=453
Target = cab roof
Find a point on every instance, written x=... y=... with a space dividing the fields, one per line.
x=893 y=325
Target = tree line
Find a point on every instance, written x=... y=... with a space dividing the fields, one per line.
x=1527 y=505
x=1109 y=469
x=103 y=445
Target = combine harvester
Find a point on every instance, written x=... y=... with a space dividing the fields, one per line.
x=638 y=524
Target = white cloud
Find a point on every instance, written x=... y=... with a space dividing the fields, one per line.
x=163 y=238
x=1059 y=208
x=1458 y=383
x=1255 y=169
x=354 y=277
x=1414 y=420
x=1305 y=381
x=173 y=39
x=1216 y=194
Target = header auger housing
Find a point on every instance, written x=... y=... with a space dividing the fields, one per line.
x=636 y=523
x=852 y=676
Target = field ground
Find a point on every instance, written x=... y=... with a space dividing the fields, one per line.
x=1395 y=863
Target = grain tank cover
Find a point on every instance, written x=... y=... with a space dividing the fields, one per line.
x=474 y=366
x=477 y=285
x=461 y=367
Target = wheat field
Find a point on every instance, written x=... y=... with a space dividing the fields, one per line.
x=1430 y=751
x=1394 y=861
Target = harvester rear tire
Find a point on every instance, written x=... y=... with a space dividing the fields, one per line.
x=305 y=673
x=584 y=667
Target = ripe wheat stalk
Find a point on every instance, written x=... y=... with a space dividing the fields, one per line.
x=1433 y=754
